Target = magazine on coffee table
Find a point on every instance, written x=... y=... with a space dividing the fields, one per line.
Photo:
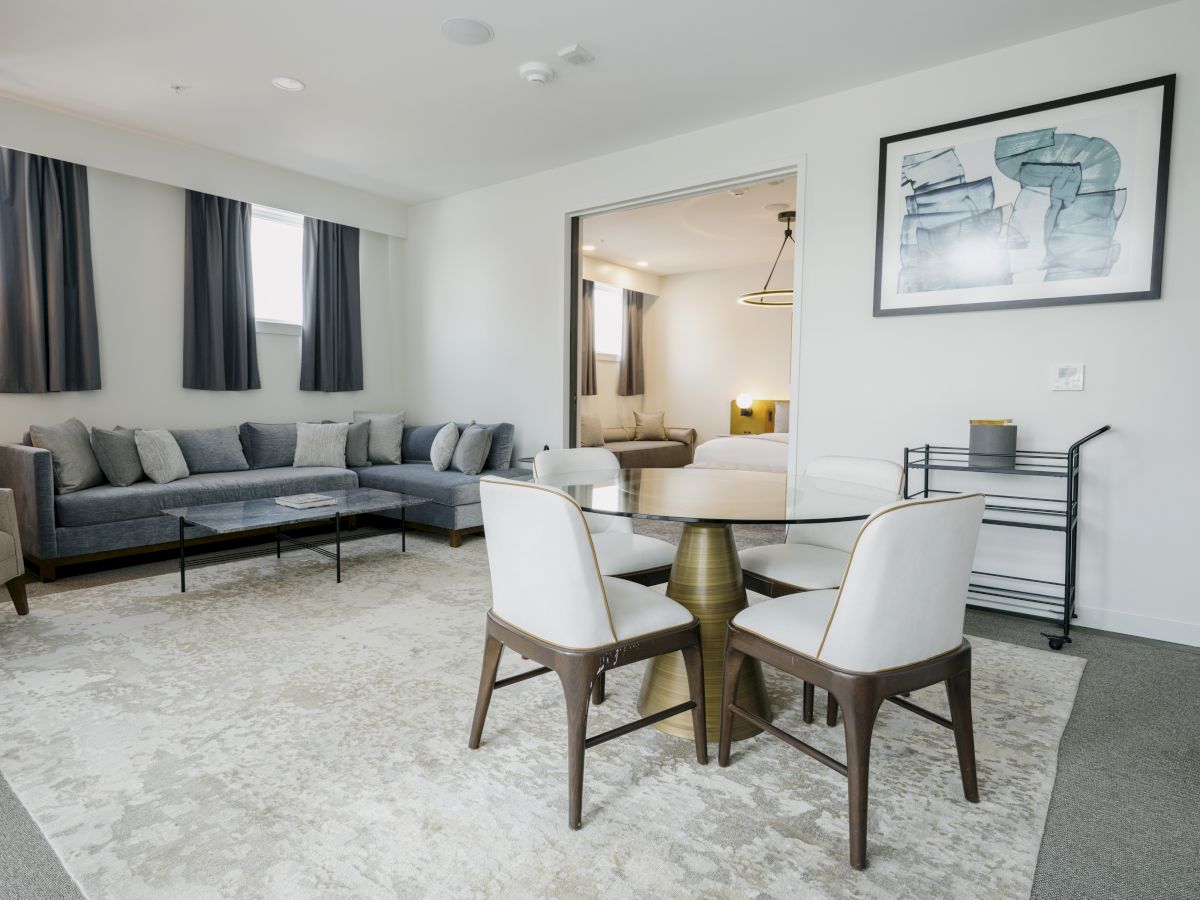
x=306 y=501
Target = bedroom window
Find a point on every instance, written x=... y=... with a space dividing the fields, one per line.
x=277 y=256
x=606 y=313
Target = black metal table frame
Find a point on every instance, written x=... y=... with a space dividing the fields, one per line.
x=281 y=537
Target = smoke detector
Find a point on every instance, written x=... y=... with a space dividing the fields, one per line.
x=537 y=73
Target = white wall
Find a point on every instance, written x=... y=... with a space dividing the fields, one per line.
x=703 y=348
x=485 y=318
x=137 y=253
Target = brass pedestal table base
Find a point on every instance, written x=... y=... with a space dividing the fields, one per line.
x=707 y=579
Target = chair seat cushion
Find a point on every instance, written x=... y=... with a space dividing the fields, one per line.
x=637 y=609
x=804 y=566
x=109 y=503
x=622 y=552
x=797 y=621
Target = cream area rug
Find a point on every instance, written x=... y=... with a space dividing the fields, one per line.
x=273 y=734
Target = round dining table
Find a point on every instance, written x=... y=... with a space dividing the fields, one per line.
x=706 y=576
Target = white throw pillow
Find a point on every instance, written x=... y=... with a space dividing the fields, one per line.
x=161 y=458
x=441 y=451
x=321 y=445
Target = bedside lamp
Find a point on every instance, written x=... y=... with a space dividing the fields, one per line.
x=745 y=404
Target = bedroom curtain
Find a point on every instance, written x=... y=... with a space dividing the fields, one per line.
x=631 y=379
x=331 y=341
x=220 y=352
x=587 y=339
x=48 y=336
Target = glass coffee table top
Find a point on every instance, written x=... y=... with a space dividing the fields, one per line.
x=246 y=515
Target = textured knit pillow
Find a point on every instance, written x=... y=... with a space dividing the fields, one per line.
x=71 y=455
x=358 y=444
x=591 y=432
x=160 y=455
x=387 y=430
x=211 y=450
x=649 y=426
x=441 y=451
x=472 y=449
x=321 y=445
x=116 y=451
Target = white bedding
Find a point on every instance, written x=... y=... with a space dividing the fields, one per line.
x=755 y=452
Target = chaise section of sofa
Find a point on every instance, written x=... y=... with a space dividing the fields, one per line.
x=672 y=453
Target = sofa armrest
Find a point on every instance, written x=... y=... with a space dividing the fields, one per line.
x=8 y=525
x=683 y=435
x=28 y=472
x=616 y=433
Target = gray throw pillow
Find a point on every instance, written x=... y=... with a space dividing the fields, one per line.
x=472 y=449
x=268 y=446
x=211 y=450
x=358 y=445
x=116 y=451
x=441 y=452
x=161 y=458
x=387 y=430
x=321 y=445
x=71 y=455
x=503 y=441
x=418 y=442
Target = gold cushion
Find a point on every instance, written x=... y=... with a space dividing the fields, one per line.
x=649 y=426
x=591 y=432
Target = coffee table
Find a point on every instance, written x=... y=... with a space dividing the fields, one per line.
x=250 y=515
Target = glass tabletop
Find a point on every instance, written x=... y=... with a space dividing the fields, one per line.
x=719 y=496
x=244 y=515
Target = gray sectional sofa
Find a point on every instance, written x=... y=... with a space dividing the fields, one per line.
x=107 y=520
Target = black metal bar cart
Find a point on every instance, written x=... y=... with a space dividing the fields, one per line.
x=1052 y=511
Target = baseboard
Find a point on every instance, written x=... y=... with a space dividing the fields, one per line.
x=1187 y=633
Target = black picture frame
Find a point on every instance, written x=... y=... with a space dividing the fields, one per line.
x=1165 y=82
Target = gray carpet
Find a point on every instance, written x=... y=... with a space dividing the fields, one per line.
x=1122 y=817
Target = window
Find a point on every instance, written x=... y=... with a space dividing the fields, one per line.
x=607 y=302
x=277 y=256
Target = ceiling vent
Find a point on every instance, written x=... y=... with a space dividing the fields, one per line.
x=576 y=55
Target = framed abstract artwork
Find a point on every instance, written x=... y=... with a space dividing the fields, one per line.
x=1058 y=203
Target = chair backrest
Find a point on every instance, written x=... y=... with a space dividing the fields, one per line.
x=904 y=594
x=583 y=459
x=545 y=578
x=882 y=475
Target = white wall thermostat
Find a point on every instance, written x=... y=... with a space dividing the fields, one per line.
x=1067 y=377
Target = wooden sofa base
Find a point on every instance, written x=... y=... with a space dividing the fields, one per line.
x=454 y=534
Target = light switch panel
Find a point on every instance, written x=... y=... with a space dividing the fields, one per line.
x=1067 y=377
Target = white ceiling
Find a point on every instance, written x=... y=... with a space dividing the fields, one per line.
x=711 y=231
x=391 y=107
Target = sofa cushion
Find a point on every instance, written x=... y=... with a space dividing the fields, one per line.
x=449 y=488
x=116 y=451
x=650 y=454
x=268 y=446
x=441 y=453
x=321 y=446
x=75 y=464
x=161 y=457
x=109 y=503
x=417 y=442
x=386 y=434
x=471 y=451
x=211 y=449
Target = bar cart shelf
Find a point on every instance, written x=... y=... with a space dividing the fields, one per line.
x=1055 y=510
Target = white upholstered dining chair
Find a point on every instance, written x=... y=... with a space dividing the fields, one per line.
x=552 y=604
x=813 y=557
x=894 y=626
x=622 y=554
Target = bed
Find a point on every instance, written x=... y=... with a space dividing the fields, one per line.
x=753 y=452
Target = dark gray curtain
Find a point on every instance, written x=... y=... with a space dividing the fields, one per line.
x=331 y=345
x=587 y=340
x=48 y=337
x=631 y=378
x=219 y=348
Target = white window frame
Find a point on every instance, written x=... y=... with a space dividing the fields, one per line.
x=278 y=326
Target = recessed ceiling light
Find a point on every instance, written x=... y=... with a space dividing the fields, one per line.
x=775 y=207
x=291 y=85
x=642 y=263
x=469 y=32
x=588 y=248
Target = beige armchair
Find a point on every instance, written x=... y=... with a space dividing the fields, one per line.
x=12 y=563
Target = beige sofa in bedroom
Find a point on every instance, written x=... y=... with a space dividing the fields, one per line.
x=674 y=452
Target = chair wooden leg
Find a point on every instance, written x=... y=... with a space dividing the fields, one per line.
x=576 y=674
x=958 y=692
x=831 y=708
x=693 y=661
x=492 y=650
x=809 y=693
x=734 y=659
x=16 y=590
x=598 y=690
x=858 y=714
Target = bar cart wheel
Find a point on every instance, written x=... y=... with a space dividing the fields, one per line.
x=1056 y=640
